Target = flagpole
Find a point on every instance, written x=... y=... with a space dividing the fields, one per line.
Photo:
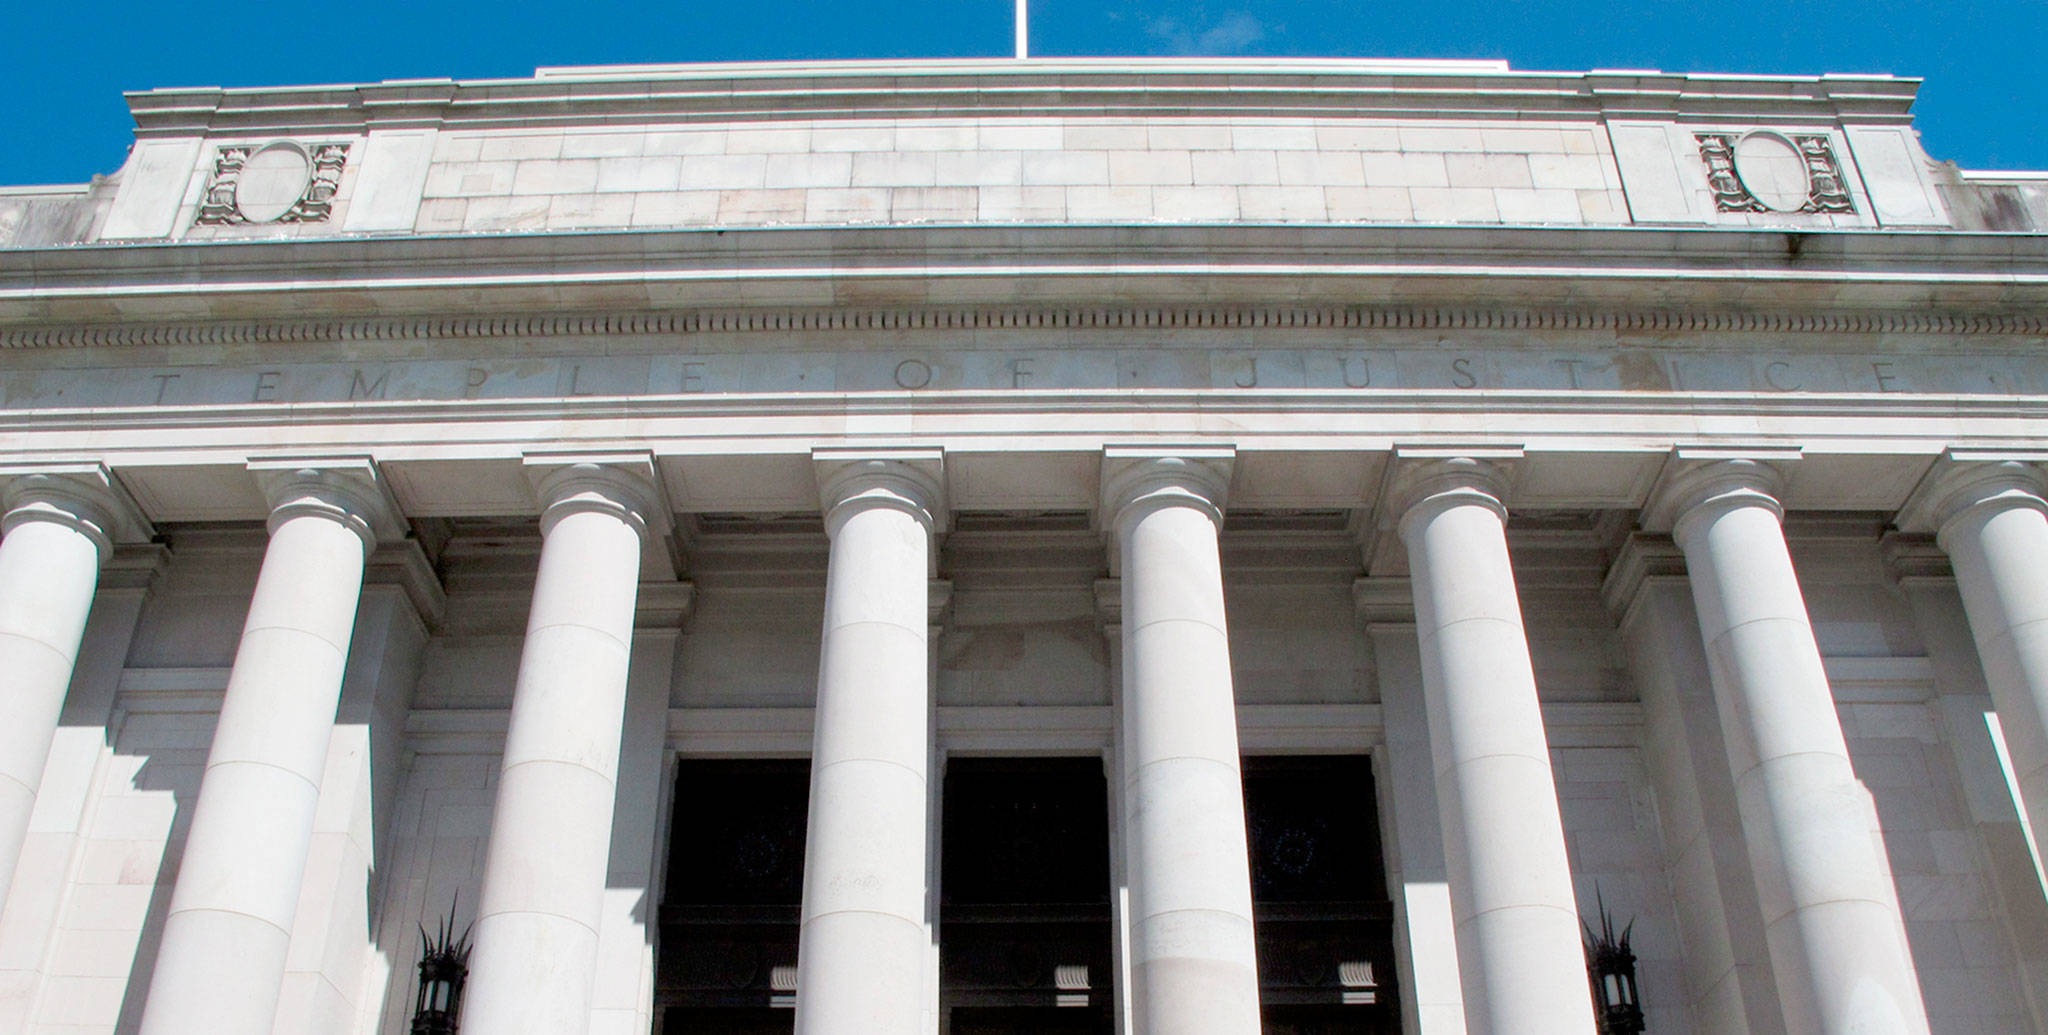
x=1023 y=29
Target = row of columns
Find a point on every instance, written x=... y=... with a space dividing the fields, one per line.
x=1833 y=929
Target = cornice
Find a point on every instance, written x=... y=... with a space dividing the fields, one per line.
x=1025 y=276
x=1042 y=87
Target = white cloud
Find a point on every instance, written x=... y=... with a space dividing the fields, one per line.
x=1233 y=34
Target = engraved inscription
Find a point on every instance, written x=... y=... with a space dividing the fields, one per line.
x=1461 y=373
x=1416 y=369
x=361 y=387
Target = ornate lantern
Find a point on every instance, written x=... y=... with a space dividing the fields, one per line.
x=444 y=966
x=1611 y=966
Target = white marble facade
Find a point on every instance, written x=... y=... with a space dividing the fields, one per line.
x=1645 y=472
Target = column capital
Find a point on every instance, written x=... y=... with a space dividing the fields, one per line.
x=1425 y=480
x=626 y=485
x=83 y=497
x=1698 y=482
x=912 y=480
x=1962 y=481
x=1136 y=479
x=1643 y=560
x=345 y=489
x=1383 y=601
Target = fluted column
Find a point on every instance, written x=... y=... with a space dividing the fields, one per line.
x=61 y=524
x=1991 y=517
x=1512 y=905
x=1830 y=916
x=535 y=960
x=219 y=967
x=862 y=950
x=1192 y=961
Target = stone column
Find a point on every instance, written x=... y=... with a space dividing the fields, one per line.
x=333 y=941
x=59 y=828
x=1832 y=922
x=1992 y=520
x=1517 y=921
x=535 y=961
x=862 y=950
x=1727 y=966
x=222 y=958
x=1192 y=961
x=1926 y=577
x=61 y=524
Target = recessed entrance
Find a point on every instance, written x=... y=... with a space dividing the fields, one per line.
x=1319 y=897
x=727 y=960
x=1024 y=922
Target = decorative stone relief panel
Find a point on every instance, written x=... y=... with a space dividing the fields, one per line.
x=1769 y=172
x=279 y=182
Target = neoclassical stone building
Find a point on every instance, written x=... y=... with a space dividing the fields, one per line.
x=1047 y=546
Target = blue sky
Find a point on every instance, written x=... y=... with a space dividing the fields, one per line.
x=64 y=65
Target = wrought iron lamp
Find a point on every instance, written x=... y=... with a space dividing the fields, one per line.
x=444 y=966
x=1611 y=966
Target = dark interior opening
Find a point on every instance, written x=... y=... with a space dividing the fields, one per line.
x=726 y=961
x=1319 y=896
x=1024 y=919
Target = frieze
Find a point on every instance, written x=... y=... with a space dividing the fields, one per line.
x=685 y=368
x=1006 y=318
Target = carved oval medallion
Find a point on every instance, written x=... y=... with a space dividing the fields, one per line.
x=1773 y=170
x=272 y=182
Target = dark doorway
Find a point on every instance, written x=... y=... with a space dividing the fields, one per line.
x=1319 y=896
x=726 y=962
x=1024 y=923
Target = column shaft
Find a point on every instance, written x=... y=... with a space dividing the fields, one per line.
x=861 y=958
x=1193 y=964
x=535 y=960
x=1517 y=922
x=1726 y=963
x=1998 y=544
x=48 y=571
x=222 y=958
x=1830 y=917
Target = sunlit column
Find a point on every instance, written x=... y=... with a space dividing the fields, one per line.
x=1512 y=904
x=222 y=958
x=61 y=524
x=535 y=960
x=865 y=941
x=1830 y=915
x=1192 y=961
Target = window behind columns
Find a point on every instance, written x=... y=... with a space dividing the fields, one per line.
x=727 y=957
x=1319 y=896
x=1024 y=934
